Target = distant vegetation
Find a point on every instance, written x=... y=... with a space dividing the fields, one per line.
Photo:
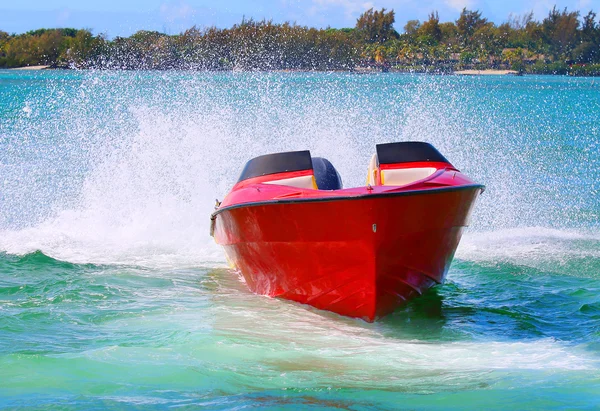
x=565 y=42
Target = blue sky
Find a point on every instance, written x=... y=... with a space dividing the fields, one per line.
x=124 y=17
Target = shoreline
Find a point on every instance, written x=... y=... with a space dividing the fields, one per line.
x=30 y=68
x=486 y=72
x=356 y=70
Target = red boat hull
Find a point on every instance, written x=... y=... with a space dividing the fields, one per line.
x=359 y=256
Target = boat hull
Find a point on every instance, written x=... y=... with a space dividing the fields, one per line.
x=356 y=256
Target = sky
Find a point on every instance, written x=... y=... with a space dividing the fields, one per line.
x=125 y=17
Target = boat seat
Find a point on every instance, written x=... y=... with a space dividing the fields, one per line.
x=326 y=176
x=396 y=177
x=299 y=182
x=403 y=176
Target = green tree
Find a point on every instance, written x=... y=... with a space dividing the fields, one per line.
x=515 y=58
x=431 y=30
x=560 y=30
x=4 y=38
x=468 y=22
x=590 y=30
x=588 y=51
x=449 y=32
x=411 y=27
x=376 y=26
x=522 y=43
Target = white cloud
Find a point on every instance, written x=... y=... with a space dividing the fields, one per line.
x=541 y=8
x=584 y=5
x=351 y=8
x=460 y=4
x=63 y=16
x=176 y=11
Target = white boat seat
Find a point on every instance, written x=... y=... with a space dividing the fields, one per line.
x=298 y=182
x=396 y=177
x=403 y=176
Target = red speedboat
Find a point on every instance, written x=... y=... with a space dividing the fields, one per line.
x=293 y=232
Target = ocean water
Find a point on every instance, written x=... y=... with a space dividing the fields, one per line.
x=113 y=295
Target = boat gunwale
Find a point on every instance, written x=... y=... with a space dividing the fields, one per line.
x=435 y=190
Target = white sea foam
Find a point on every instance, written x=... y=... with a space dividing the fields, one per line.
x=131 y=177
x=150 y=184
x=146 y=201
x=309 y=334
x=563 y=251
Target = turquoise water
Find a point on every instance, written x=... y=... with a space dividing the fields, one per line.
x=112 y=294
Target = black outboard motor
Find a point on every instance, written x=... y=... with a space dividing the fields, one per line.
x=326 y=175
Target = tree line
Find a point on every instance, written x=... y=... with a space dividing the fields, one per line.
x=564 y=42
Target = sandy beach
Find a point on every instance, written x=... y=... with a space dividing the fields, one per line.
x=31 y=68
x=485 y=72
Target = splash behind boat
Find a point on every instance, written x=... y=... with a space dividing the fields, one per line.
x=293 y=232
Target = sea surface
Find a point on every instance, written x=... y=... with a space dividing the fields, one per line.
x=113 y=295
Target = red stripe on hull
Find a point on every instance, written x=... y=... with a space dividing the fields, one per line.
x=359 y=257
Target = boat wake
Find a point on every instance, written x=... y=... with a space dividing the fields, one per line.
x=176 y=235
x=131 y=177
x=563 y=252
x=347 y=346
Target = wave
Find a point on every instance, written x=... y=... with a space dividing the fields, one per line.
x=386 y=346
x=93 y=176
x=567 y=252
x=81 y=241
x=93 y=236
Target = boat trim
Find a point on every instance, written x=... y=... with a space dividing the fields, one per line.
x=214 y=215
